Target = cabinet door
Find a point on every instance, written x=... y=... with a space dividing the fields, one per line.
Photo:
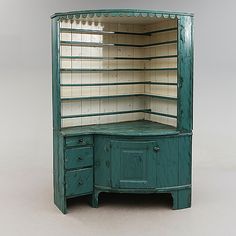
x=133 y=164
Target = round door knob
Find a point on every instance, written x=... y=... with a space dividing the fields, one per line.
x=156 y=149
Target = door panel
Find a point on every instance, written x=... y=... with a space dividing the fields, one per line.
x=133 y=164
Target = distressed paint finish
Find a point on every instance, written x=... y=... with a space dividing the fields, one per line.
x=58 y=172
x=119 y=12
x=171 y=166
x=167 y=162
x=56 y=75
x=133 y=164
x=121 y=157
x=185 y=73
x=78 y=157
x=79 y=182
x=102 y=161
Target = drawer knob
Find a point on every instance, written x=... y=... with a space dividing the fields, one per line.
x=80 y=158
x=80 y=182
x=81 y=140
x=156 y=149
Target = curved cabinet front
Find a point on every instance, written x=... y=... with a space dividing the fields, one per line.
x=143 y=164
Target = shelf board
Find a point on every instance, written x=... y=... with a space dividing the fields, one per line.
x=100 y=32
x=117 y=96
x=89 y=44
x=117 y=58
x=105 y=113
x=119 y=83
x=109 y=70
x=129 y=128
x=148 y=111
x=161 y=114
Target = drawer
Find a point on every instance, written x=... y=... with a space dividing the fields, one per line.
x=78 y=157
x=79 y=182
x=81 y=140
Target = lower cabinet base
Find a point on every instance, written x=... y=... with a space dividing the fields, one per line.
x=181 y=198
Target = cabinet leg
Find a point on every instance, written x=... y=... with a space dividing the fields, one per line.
x=181 y=199
x=94 y=199
x=61 y=204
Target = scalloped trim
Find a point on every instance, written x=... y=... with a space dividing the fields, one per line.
x=116 y=13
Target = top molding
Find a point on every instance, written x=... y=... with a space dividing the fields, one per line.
x=118 y=12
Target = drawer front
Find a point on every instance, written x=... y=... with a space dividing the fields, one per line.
x=81 y=140
x=78 y=157
x=79 y=182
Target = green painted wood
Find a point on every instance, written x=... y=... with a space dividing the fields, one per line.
x=79 y=182
x=120 y=83
x=79 y=140
x=161 y=114
x=169 y=168
x=162 y=30
x=105 y=84
x=141 y=191
x=58 y=171
x=118 y=96
x=102 y=32
x=181 y=199
x=117 y=58
x=88 y=44
x=78 y=157
x=119 y=12
x=140 y=128
x=133 y=164
x=185 y=160
x=102 y=161
x=105 y=113
x=167 y=162
x=56 y=75
x=115 y=69
x=120 y=113
x=185 y=73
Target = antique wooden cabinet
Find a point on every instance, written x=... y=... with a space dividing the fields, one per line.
x=122 y=104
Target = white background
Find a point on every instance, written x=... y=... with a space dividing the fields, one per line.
x=26 y=129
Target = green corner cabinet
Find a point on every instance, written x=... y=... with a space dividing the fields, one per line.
x=122 y=83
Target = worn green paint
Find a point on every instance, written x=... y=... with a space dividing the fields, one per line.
x=86 y=31
x=119 y=83
x=118 y=96
x=119 y=113
x=85 y=159
x=56 y=75
x=87 y=44
x=105 y=113
x=111 y=175
x=119 y=12
x=185 y=73
x=79 y=140
x=130 y=128
x=78 y=157
x=117 y=58
x=133 y=164
x=79 y=182
x=58 y=171
x=110 y=70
